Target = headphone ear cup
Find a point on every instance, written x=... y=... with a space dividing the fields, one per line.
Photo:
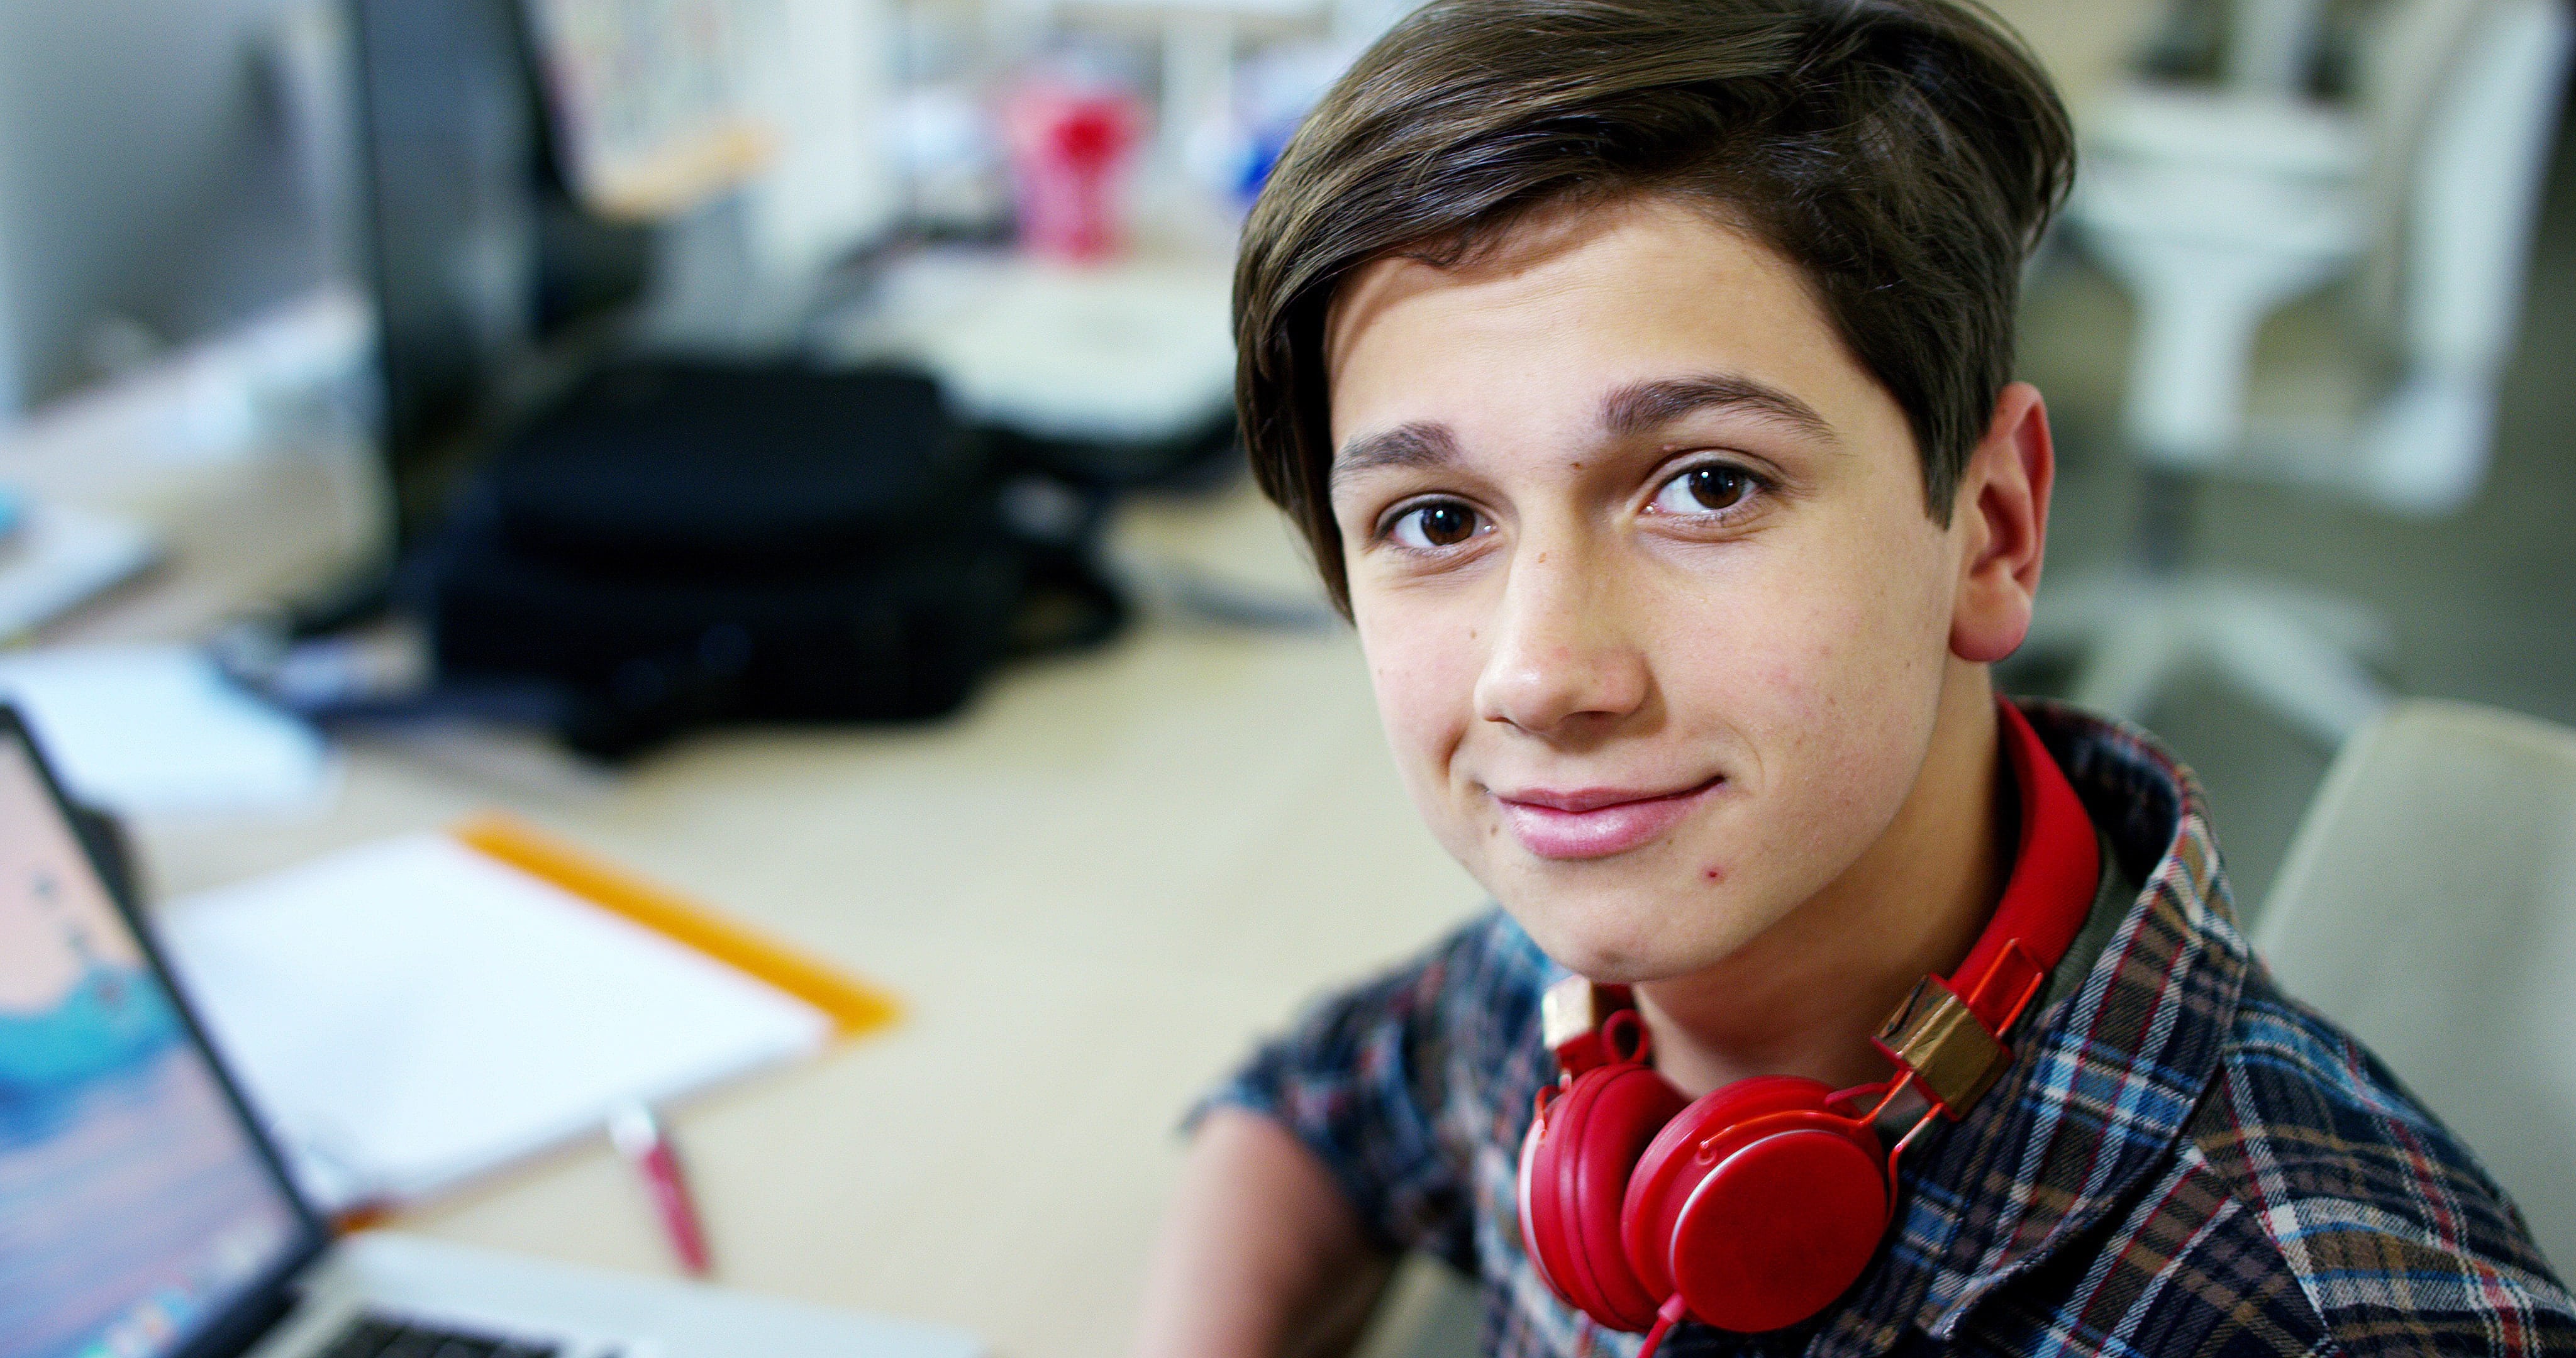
x=1759 y=1204
x=1574 y=1183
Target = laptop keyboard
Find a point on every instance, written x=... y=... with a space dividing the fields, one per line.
x=386 y=1337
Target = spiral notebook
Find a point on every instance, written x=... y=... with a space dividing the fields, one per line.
x=416 y=1012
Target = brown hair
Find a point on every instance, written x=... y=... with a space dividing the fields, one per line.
x=1906 y=154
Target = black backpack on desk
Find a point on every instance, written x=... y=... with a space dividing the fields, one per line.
x=683 y=543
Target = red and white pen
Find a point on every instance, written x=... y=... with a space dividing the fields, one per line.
x=637 y=1134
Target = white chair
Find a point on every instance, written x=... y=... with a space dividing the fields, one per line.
x=2217 y=206
x=2429 y=905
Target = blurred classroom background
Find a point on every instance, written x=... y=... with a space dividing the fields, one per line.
x=372 y=373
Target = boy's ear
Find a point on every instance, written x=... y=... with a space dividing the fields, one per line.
x=2002 y=511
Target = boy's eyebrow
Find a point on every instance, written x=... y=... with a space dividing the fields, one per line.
x=1644 y=407
x=1635 y=409
x=1422 y=443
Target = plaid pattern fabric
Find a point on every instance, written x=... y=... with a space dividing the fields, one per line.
x=2181 y=1160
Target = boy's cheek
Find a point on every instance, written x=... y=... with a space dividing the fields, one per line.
x=1423 y=670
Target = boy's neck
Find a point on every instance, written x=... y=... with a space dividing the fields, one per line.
x=1805 y=996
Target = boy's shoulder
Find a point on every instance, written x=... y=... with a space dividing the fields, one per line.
x=2200 y=1164
x=2367 y=1197
x=2309 y=1206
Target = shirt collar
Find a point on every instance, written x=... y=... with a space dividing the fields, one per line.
x=2103 y=1079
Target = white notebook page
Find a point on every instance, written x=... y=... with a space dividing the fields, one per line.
x=409 y=1013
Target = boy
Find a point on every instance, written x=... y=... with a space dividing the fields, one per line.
x=1638 y=371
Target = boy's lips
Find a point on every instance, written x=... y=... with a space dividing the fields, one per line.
x=1595 y=822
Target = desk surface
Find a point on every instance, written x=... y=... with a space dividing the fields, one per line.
x=1092 y=890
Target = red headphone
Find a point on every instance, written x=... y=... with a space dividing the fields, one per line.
x=1756 y=1205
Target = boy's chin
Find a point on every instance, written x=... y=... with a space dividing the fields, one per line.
x=1632 y=937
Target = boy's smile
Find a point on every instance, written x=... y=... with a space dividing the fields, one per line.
x=1595 y=822
x=1661 y=631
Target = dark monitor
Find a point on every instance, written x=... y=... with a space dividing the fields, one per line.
x=492 y=285
x=142 y=1212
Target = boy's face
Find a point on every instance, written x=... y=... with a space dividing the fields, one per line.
x=1638 y=553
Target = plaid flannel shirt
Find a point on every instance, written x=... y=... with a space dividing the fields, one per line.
x=2180 y=1160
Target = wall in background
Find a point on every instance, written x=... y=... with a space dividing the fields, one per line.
x=141 y=177
x=8 y=343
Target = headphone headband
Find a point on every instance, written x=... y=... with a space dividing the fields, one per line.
x=2056 y=867
x=1949 y=1034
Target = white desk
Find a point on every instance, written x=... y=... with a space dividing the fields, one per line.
x=1092 y=890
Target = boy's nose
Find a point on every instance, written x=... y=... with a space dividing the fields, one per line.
x=1561 y=650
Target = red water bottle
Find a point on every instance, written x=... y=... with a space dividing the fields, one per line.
x=1069 y=149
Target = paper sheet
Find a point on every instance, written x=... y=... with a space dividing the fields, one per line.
x=146 y=730
x=410 y=1013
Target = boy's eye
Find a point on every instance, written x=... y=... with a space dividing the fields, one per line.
x=1705 y=490
x=1443 y=523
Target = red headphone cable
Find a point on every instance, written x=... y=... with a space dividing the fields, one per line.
x=1665 y=1319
